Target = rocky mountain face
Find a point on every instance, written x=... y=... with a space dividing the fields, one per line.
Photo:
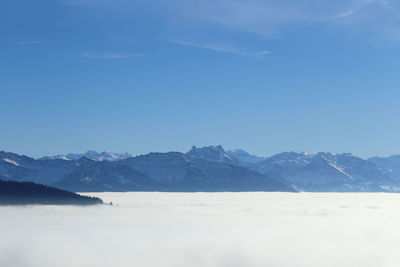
x=208 y=169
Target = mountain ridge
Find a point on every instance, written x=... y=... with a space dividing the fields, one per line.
x=207 y=168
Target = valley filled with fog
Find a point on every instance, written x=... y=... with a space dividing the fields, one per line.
x=206 y=229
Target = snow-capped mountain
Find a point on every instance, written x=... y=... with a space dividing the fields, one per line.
x=326 y=172
x=109 y=156
x=316 y=172
x=172 y=171
x=206 y=169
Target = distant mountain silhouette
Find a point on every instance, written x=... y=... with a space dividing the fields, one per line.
x=27 y=193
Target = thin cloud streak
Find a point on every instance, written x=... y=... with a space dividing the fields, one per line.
x=110 y=55
x=224 y=49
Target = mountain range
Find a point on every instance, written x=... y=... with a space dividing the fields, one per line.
x=210 y=168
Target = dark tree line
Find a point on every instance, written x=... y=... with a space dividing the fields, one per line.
x=25 y=193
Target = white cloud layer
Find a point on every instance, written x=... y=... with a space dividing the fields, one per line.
x=206 y=230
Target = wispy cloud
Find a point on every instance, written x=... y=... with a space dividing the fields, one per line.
x=346 y=14
x=266 y=18
x=362 y=6
x=111 y=55
x=379 y=17
x=31 y=42
x=270 y=17
x=224 y=49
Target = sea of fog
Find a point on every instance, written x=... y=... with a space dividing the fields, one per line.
x=206 y=229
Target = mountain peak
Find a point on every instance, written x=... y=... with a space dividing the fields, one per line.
x=212 y=153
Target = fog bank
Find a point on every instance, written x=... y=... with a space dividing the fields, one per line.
x=206 y=229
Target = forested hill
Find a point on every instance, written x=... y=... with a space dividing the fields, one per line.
x=26 y=193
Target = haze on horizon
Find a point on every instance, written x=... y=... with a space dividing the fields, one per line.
x=141 y=76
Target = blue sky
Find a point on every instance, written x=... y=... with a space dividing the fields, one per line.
x=139 y=76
